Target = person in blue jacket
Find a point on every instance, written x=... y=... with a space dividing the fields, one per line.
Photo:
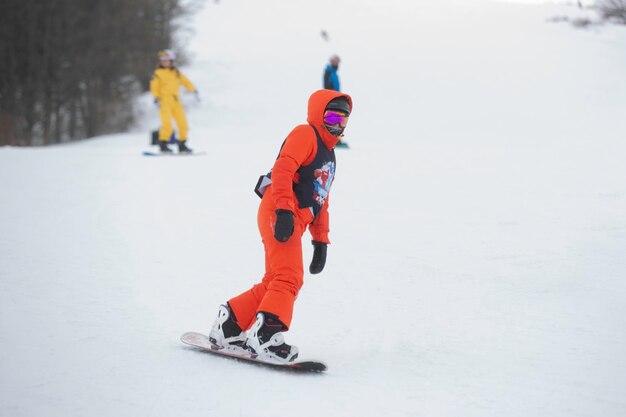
x=331 y=79
x=331 y=82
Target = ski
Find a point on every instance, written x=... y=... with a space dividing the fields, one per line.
x=202 y=342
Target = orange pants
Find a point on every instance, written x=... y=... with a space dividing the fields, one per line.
x=277 y=291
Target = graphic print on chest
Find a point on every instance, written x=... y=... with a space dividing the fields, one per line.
x=323 y=180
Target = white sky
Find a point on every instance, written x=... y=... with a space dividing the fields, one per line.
x=586 y=2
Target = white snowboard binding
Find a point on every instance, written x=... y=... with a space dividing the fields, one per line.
x=226 y=334
x=266 y=342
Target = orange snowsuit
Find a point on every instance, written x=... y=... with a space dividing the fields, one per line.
x=277 y=291
x=164 y=86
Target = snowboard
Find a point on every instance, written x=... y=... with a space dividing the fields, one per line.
x=150 y=153
x=202 y=342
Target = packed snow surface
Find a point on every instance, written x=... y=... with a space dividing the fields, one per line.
x=478 y=225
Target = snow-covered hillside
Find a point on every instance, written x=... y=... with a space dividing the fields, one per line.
x=478 y=225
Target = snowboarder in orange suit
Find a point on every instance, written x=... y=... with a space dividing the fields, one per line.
x=294 y=197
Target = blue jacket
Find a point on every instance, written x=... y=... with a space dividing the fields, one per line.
x=331 y=79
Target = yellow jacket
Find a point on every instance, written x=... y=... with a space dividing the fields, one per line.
x=166 y=82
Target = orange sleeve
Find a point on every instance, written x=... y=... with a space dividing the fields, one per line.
x=298 y=149
x=320 y=227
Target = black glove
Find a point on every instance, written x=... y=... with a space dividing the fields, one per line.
x=319 y=257
x=283 y=229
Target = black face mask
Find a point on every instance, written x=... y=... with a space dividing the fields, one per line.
x=335 y=130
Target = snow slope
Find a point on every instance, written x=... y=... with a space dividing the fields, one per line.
x=478 y=225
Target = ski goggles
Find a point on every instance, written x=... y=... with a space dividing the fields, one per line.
x=332 y=117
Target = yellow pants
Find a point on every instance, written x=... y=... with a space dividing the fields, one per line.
x=172 y=108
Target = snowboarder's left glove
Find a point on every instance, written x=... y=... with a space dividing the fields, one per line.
x=319 y=257
x=283 y=229
x=196 y=94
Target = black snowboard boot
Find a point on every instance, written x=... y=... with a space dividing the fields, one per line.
x=182 y=147
x=163 y=147
x=266 y=342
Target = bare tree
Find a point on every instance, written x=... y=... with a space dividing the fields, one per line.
x=613 y=10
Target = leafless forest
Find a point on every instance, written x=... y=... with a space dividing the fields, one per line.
x=613 y=10
x=69 y=69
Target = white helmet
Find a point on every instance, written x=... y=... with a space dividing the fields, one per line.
x=167 y=55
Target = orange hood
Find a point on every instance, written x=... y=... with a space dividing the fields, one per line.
x=317 y=103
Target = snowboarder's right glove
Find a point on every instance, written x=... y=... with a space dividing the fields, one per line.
x=156 y=102
x=319 y=257
x=283 y=229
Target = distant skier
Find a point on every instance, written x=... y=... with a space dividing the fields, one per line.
x=331 y=78
x=164 y=86
x=331 y=82
x=294 y=197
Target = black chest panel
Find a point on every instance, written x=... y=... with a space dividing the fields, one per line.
x=316 y=178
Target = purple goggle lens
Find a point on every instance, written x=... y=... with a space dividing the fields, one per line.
x=333 y=117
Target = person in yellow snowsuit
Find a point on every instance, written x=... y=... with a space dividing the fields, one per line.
x=164 y=86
